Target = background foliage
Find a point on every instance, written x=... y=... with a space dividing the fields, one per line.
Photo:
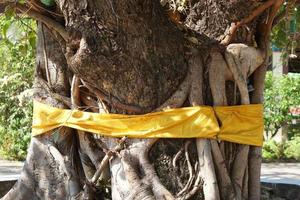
x=17 y=58
x=281 y=93
x=285 y=35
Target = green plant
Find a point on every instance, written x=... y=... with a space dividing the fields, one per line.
x=292 y=150
x=281 y=93
x=273 y=150
x=17 y=58
x=289 y=150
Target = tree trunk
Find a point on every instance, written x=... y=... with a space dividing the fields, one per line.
x=131 y=57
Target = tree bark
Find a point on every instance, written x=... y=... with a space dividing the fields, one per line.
x=129 y=57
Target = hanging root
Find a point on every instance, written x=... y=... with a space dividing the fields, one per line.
x=225 y=184
x=196 y=187
x=179 y=97
x=190 y=169
x=94 y=161
x=193 y=184
x=257 y=97
x=239 y=79
x=239 y=168
x=90 y=153
x=218 y=73
x=242 y=62
x=206 y=165
x=196 y=76
x=207 y=170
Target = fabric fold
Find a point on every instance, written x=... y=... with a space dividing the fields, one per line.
x=240 y=124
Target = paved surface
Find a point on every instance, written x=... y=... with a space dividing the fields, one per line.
x=10 y=170
x=288 y=173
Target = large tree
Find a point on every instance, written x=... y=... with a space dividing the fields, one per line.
x=136 y=57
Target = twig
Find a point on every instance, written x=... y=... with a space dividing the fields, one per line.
x=105 y=160
x=279 y=17
x=21 y=20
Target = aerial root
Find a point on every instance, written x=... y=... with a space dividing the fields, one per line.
x=179 y=97
x=225 y=184
x=190 y=169
x=234 y=66
x=176 y=157
x=238 y=169
x=193 y=184
x=196 y=75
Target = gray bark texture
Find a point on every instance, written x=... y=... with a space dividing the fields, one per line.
x=136 y=57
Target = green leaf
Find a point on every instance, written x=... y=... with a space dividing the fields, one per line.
x=9 y=12
x=23 y=49
x=5 y=27
x=32 y=40
x=22 y=1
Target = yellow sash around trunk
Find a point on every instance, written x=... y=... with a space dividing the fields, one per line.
x=239 y=124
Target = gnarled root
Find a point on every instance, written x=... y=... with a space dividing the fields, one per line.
x=142 y=180
x=46 y=167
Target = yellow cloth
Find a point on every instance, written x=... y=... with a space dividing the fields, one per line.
x=240 y=124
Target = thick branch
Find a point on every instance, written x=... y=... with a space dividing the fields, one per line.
x=258 y=11
x=259 y=77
